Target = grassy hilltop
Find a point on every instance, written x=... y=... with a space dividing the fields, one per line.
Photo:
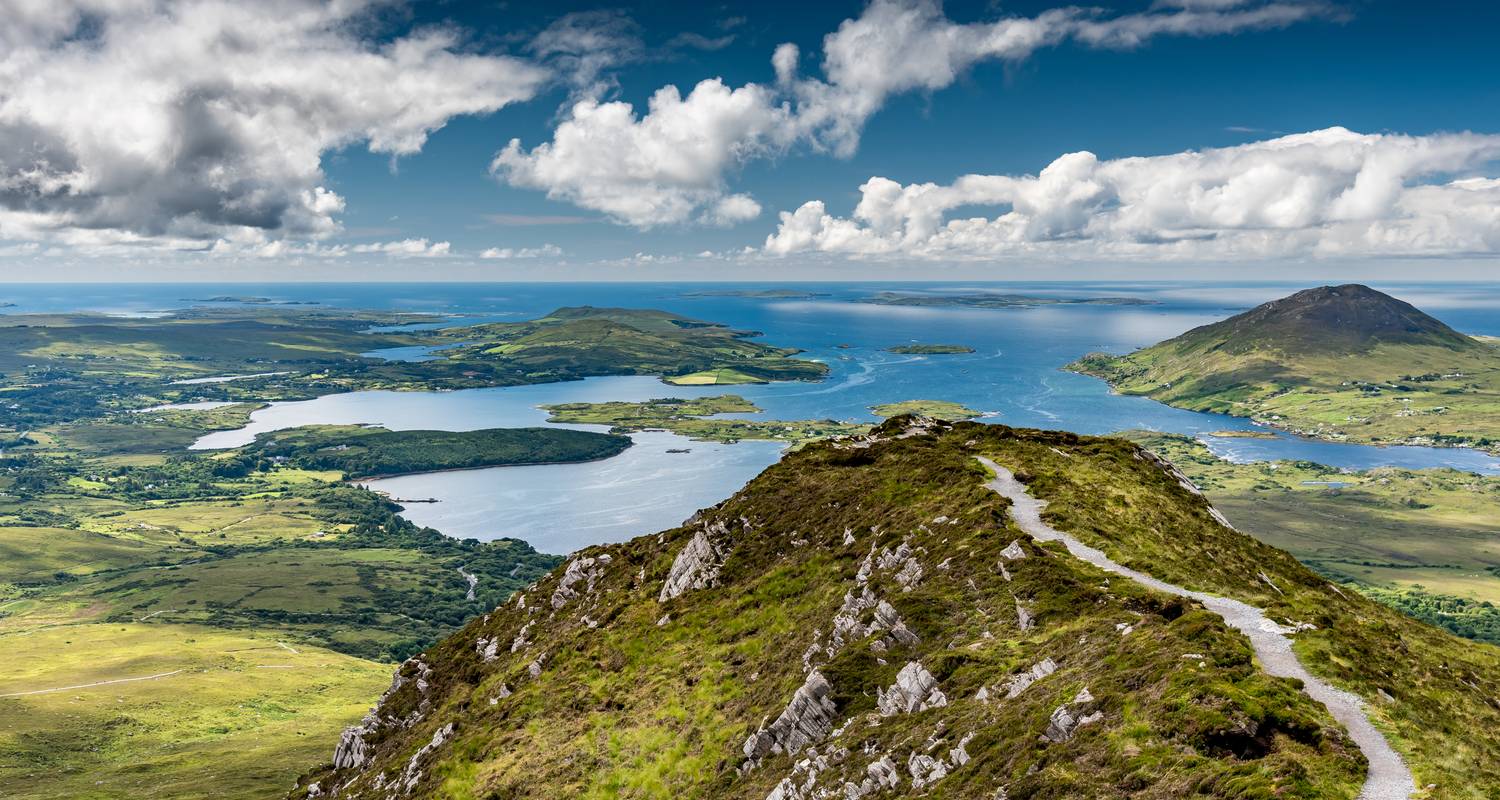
x=1336 y=362
x=642 y=669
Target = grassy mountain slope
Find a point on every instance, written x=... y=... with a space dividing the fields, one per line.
x=858 y=562
x=1339 y=362
x=1424 y=541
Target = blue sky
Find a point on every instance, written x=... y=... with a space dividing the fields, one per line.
x=1380 y=91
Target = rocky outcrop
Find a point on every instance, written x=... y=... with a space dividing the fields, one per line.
x=1067 y=719
x=697 y=564
x=587 y=570
x=1022 y=680
x=915 y=690
x=413 y=772
x=807 y=720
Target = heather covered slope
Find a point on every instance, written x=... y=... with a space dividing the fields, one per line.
x=871 y=601
x=1338 y=362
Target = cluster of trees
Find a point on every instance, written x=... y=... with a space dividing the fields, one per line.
x=1471 y=619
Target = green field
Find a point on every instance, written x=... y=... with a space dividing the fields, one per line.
x=178 y=711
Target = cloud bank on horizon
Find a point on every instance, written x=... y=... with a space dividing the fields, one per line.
x=1325 y=193
x=205 y=126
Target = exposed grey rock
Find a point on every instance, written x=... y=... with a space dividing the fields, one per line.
x=902 y=561
x=886 y=617
x=588 y=570
x=488 y=648
x=1023 y=617
x=848 y=536
x=1064 y=722
x=807 y=719
x=959 y=755
x=1022 y=680
x=1013 y=551
x=915 y=690
x=534 y=669
x=521 y=641
x=881 y=774
x=925 y=770
x=697 y=564
x=802 y=784
x=350 y=752
x=413 y=774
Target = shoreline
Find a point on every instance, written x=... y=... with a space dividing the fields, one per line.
x=1286 y=429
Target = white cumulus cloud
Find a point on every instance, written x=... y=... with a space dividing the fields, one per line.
x=545 y=251
x=187 y=121
x=405 y=248
x=654 y=169
x=672 y=163
x=1324 y=193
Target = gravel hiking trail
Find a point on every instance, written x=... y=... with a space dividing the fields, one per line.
x=1388 y=777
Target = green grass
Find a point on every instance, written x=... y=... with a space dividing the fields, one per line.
x=626 y=707
x=241 y=716
x=36 y=555
x=1423 y=541
x=1441 y=684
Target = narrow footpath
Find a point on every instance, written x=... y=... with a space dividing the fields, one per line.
x=1388 y=777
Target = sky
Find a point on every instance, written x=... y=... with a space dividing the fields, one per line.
x=896 y=139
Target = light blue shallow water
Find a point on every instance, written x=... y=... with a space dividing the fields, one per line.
x=1013 y=375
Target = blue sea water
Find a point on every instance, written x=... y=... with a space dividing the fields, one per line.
x=1013 y=376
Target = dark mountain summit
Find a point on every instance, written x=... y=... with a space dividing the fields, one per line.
x=1350 y=318
x=1339 y=362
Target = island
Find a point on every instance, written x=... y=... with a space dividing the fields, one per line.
x=994 y=300
x=699 y=418
x=940 y=409
x=930 y=349
x=1343 y=363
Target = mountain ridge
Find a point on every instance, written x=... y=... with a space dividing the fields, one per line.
x=874 y=587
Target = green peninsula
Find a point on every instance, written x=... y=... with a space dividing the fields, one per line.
x=366 y=452
x=1345 y=363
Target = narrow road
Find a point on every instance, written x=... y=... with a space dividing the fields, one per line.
x=1388 y=777
x=91 y=685
x=473 y=582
